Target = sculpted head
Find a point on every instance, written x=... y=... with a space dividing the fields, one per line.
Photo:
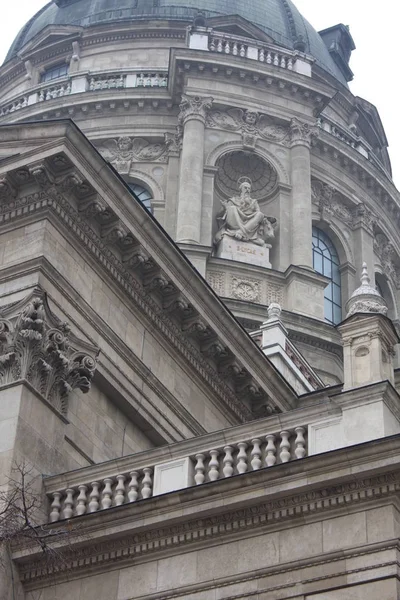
x=250 y=117
x=244 y=184
x=125 y=144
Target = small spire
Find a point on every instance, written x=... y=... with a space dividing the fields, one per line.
x=365 y=279
x=274 y=311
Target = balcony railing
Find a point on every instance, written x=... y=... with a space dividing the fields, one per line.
x=86 y=83
x=344 y=135
x=141 y=480
x=269 y=54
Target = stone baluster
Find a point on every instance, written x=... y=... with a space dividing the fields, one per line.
x=227 y=47
x=300 y=442
x=94 y=497
x=269 y=58
x=228 y=462
x=193 y=110
x=290 y=64
x=69 y=504
x=81 y=500
x=256 y=455
x=146 y=483
x=270 y=458
x=213 y=466
x=120 y=490
x=219 y=45
x=301 y=234
x=242 y=458
x=285 y=447
x=276 y=60
x=55 y=507
x=235 y=50
x=261 y=55
x=283 y=62
x=106 y=496
x=133 y=486
x=199 y=469
x=242 y=51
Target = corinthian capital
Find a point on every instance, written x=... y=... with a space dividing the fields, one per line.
x=302 y=133
x=36 y=346
x=194 y=107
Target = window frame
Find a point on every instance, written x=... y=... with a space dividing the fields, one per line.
x=53 y=69
x=328 y=264
x=140 y=190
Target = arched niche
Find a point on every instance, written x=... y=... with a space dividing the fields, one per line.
x=384 y=287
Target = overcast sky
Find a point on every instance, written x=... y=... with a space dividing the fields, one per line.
x=373 y=25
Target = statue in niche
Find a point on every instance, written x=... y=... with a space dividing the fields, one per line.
x=243 y=220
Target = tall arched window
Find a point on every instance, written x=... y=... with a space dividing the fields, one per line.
x=143 y=194
x=326 y=262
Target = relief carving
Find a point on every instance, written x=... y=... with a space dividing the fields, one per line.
x=388 y=257
x=123 y=151
x=246 y=289
x=249 y=123
x=37 y=347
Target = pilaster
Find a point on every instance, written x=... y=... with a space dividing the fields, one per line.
x=193 y=110
x=301 y=226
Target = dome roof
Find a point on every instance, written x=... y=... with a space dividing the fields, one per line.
x=280 y=19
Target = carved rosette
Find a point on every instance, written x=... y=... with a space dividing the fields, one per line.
x=194 y=107
x=302 y=133
x=37 y=347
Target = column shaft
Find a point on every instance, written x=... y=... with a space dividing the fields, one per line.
x=301 y=206
x=191 y=182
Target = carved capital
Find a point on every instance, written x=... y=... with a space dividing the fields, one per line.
x=38 y=347
x=364 y=217
x=302 y=133
x=194 y=107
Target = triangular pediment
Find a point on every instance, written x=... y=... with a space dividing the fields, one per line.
x=50 y=35
x=236 y=25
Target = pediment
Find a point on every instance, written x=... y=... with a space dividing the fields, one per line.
x=50 y=35
x=236 y=25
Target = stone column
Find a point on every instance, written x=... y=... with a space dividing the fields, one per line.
x=192 y=120
x=301 y=234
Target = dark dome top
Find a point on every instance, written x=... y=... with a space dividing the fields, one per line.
x=278 y=18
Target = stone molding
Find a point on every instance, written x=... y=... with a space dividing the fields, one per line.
x=36 y=346
x=117 y=251
x=215 y=528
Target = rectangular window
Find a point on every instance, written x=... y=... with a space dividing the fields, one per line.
x=54 y=73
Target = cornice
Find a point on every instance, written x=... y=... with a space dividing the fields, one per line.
x=134 y=270
x=280 y=512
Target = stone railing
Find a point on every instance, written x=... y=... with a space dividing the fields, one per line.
x=248 y=48
x=344 y=135
x=86 y=83
x=138 y=482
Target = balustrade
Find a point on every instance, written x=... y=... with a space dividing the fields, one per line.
x=107 y=82
x=13 y=106
x=55 y=91
x=225 y=44
x=151 y=80
x=208 y=466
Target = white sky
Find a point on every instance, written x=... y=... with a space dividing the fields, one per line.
x=373 y=25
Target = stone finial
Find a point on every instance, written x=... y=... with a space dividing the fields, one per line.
x=36 y=346
x=274 y=312
x=366 y=298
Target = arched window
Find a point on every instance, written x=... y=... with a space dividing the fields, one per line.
x=326 y=262
x=143 y=194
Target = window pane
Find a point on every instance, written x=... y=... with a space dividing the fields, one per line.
x=326 y=262
x=317 y=262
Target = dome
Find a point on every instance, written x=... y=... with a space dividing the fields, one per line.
x=280 y=19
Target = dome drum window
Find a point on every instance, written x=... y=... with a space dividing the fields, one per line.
x=54 y=72
x=326 y=262
x=142 y=194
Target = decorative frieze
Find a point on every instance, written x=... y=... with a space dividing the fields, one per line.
x=35 y=345
x=249 y=123
x=123 y=151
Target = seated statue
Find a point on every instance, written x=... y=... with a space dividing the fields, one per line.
x=243 y=220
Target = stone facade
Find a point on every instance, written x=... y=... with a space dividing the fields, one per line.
x=189 y=459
